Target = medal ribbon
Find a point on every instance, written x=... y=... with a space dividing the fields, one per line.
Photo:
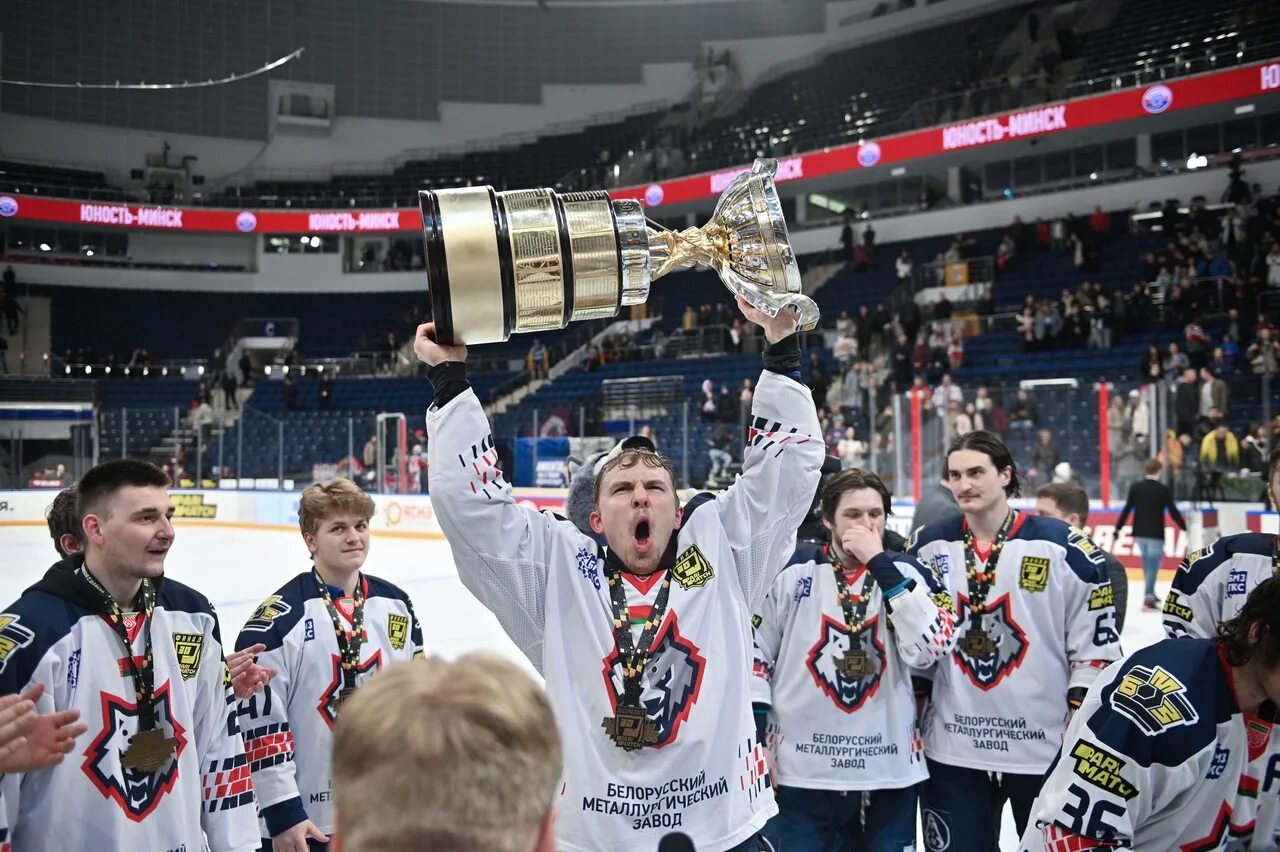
x=980 y=582
x=853 y=605
x=635 y=656
x=144 y=679
x=1275 y=555
x=349 y=644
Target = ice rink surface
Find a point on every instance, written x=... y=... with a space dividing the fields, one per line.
x=237 y=568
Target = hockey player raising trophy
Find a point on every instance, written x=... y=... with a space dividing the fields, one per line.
x=642 y=631
x=503 y=263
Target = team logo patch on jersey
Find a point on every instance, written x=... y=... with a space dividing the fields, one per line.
x=937 y=834
x=1101 y=768
x=1009 y=637
x=188 y=647
x=804 y=588
x=940 y=564
x=1077 y=539
x=671 y=681
x=267 y=612
x=1033 y=574
x=73 y=669
x=1102 y=597
x=136 y=792
x=309 y=630
x=691 y=569
x=1218 y=765
x=12 y=637
x=397 y=630
x=1237 y=583
x=847 y=693
x=1153 y=699
x=1174 y=606
x=756 y=621
x=589 y=566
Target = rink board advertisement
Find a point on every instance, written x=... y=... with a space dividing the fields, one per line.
x=412 y=514
x=408 y=514
x=1263 y=522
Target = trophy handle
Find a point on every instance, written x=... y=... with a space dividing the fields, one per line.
x=772 y=304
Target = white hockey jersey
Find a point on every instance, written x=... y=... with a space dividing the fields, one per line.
x=829 y=731
x=546 y=583
x=1159 y=757
x=56 y=634
x=1212 y=583
x=1051 y=615
x=288 y=727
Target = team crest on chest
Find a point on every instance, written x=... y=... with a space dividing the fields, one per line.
x=692 y=569
x=670 y=683
x=848 y=692
x=188 y=647
x=1033 y=573
x=397 y=630
x=136 y=792
x=1009 y=638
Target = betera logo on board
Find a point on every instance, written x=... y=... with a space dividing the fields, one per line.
x=8 y=205
x=1157 y=99
x=654 y=194
x=246 y=221
x=868 y=154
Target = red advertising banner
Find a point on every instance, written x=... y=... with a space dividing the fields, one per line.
x=148 y=218
x=1102 y=530
x=1216 y=87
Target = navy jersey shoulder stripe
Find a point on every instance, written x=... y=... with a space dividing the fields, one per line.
x=1085 y=559
x=1198 y=566
x=276 y=616
x=950 y=528
x=28 y=629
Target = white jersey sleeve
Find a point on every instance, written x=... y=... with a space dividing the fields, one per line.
x=264 y=717
x=781 y=467
x=923 y=617
x=767 y=626
x=1093 y=642
x=502 y=550
x=225 y=780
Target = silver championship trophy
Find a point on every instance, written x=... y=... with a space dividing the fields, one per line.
x=503 y=263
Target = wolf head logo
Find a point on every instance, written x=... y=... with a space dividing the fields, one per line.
x=136 y=792
x=1008 y=635
x=848 y=693
x=670 y=683
x=328 y=703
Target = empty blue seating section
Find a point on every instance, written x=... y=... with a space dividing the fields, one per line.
x=134 y=416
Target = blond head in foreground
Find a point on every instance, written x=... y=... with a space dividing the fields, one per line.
x=438 y=756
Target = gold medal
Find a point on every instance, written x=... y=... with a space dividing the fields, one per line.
x=978 y=644
x=854 y=663
x=342 y=698
x=149 y=751
x=631 y=728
